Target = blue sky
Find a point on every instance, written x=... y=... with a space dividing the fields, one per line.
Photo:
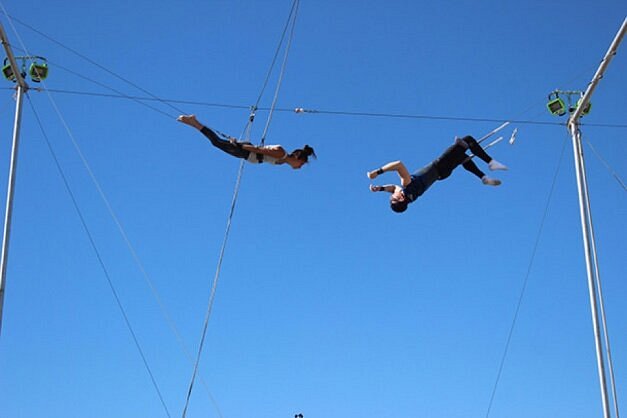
x=328 y=303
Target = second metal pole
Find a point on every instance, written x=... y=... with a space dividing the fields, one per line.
x=9 y=206
x=584 y=204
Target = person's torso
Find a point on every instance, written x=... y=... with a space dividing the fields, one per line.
x=256 y=158
x=421 y=180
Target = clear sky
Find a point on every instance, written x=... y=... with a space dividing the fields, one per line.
x=329 y=304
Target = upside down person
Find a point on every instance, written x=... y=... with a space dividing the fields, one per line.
x=414 y=185
x=269 y=154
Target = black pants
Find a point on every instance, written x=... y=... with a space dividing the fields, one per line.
x=234 y=149
x=455 y=155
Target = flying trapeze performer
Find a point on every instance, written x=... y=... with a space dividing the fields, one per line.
x=414 y=185
x=270 y=154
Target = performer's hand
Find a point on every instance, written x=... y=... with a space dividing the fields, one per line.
x=372 y=174
x=374 y=188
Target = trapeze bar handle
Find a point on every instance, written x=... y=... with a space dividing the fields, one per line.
x=513 y=137
x=496 y=141
x=493 y=132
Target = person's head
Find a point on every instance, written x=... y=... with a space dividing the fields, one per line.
x=300 y=156
x=398 y=202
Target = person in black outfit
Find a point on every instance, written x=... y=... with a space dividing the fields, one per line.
x=269 y=154
x=414 y=185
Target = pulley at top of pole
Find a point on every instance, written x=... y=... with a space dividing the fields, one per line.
x=37 y=70
x=557 y=106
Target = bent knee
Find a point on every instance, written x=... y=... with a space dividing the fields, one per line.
x=467 y=141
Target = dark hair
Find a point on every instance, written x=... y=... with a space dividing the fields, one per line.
x=304 y=153
x=398 y=206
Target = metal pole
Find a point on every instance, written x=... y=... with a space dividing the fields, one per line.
x=599 y=74
x=599 y=292
x=586 y=220
x=21 y=88
x=9 y=205
x=584 y=205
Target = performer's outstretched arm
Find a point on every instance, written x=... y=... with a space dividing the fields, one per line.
x=397 y=166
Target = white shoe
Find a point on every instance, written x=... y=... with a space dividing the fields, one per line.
x=490 y=181
x=495 y=165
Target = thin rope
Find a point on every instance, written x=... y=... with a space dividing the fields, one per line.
x=121 y=229
x=152 y=96
x=140 y=99
x=91 y=61
x=99 y=258
x=276 y=54
x=245 y=134
x=118 y=94
x=431 y=117
x=214 y=286
x=526 y=280
x=607 y=166
x=332 y=112
x=282 y=72
x=93 y=244
x=278 y=109
x=298 y=110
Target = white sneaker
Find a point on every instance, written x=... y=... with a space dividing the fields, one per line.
x=495 y=165
x=490 y=181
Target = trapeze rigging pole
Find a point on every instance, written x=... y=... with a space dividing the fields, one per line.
x=587 y=228
x=21 y=88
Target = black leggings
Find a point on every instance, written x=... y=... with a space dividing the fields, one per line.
x=476 y=149
x=234 y=149
x=455 y=155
